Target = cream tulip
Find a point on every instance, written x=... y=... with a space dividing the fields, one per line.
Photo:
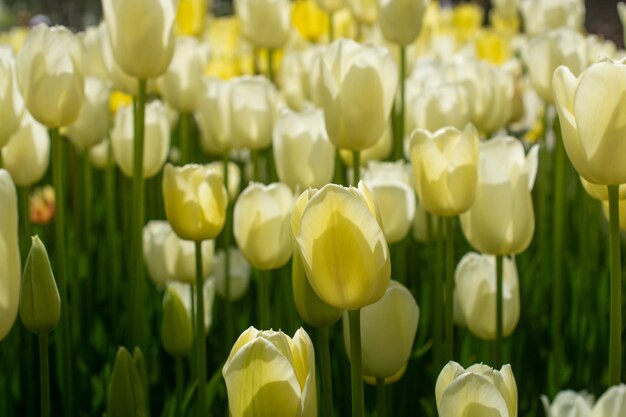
x=540 y=15
x=278 y=372
x=380 y=151
x=195 y=201
x=295 y=77
x=344 y=251
x=252 y=112
x=213 y=116
x=612 y=403
x=591 y=116
x=601 y=192
x=568 y=404
x=262 y=224
x=388 y=329
x=27 y=155
x=501 y=220
x=303 y=153
x=156 y=144
x=234 y=176
x=183 y=290
x=141 y=34
x=49 y=73
x=445 y=164
x=475 y=283
x=477 y=390
x=265 y=23
x=622 y=212
x=356 y=117
x=11 y=102
x=94 y=120
x=10 y=267
x=364 y=11
x=239 y=274
x=93 y=55
x=401 y=20
x=330 y=5
x=437 y=106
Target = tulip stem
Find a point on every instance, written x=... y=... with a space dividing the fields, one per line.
x=200 y=343
x=449 y=312
x=497 y=352
x=270 y=64
x=263 y=298
x=111 y=224
x=381 y=402
x=356 y=167
x=44 y=375
x=399 y=139
x=61 y=269
x=358 y=405
x=615 y=338
x=25 y=226
x=136 y=300
x=325 y=370
x=438 y=299
x=178 y=364
x=331 y=27
x=227 y=231
x=254 y=160
x=184 y=120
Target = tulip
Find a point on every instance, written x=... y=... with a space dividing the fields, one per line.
x=539 y=15
x=364 y=11
x=183 y=291
x=437 y=106
x=10 y=268
x=252 y=112
x=213 y=116
x=501 y=220
x=309 y=20
x=343 y=247
x=126 y=395
x=355 y=117
x=156 y=144
x=294 y=77
x=262 y=224
x=506 y=8
x=600 y=192
x=612 y=403
x=50 y=76
x=401 y=20
x=40 y=304
x=234 y=176
x=27 y=155
x=380 y=151
x=92 y=39
x=475 y=282
x=190 y=17
x=141 y=34
x=568 y=404
x=181 y=85
x=195 y=201
x=239 y=274
x=477 y=390
x=330 y=5
x=445 y=164
x=388 y=329
x=277 y=371
x=304 y=156
x=590 y=113
x=11 y=102
x=94 y=120
x=265 y=23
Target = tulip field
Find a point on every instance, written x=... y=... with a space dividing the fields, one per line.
x=307 y=208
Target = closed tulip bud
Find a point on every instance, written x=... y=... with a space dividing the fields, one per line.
x=401 y=20
x=183 y=290
x=388 y=329
x=265 y=23
x=304 y=156
x=477 y=389
x=343 y=248
x=568 y=404
x=94 y=120
x=590 y=114
x=364 y=11
x=27 y=154
x=127 y=394
x=252 y=112
x=277 y=371
x=142 y=50
x=40 y=304
x=355 y=117
x=445 y=164
x=49 y=73
x=181 y=85
x=431 y=107
x=612 y=403
x=539 y=15
x=501 y=220
x=213 y=116
x=10 y=267
x=239 y=274
x=330 y=5
x=195 y=201
x=262 y=224
x=234 y=176
x=475 y=282
x=11 y=102
x=176 y=329
x=156 y=144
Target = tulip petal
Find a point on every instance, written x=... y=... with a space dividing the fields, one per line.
x=472 y=395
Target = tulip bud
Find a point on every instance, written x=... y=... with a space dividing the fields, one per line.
x=176 y=329
x=11 y=102
x=127 y=395
x=213 y=116
x=27 y=155
x=265 y=23
x=252 y=112
x=239 y=274
x=10 y=269
x=40 y=304
x=568 y=404
x=94 y=120
x=401 y=20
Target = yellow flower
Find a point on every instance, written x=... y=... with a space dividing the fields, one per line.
x=493 y=47
x=309 y=20
x=467 y=19
x=119 y=99
x=190 y=17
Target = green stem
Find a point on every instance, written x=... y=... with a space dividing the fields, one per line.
x=227 y=232
x=201 y=347
x=88 y=296
x=62 y=272
x=184 y=120
x=398 y=144
x=111 y=225
x=178 y=364
x=331 y=27
x=25 y=226
x=356 y=167
x=449 y=305
x=497 y=352
x=263 y=299
x=381 y=402
x=254 y=160
x=325 y=370
x=615 y=339
x=136 y=336
x=44 y=373
x=438 y=300
x=270 y=65
x=358 y=405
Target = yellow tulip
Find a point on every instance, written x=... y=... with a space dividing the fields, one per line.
x=467 y=19
x=10 y=268
x=11 y=102
x=190 y=17
x=401 y=20
x=234 y=176
x=195 y=201
x=344 y=251
x=270 y=374
x=27 y=155
x=309 y=20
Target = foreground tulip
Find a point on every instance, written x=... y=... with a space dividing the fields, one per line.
x=94 y=120
x=401 y=20
x=568 y=404
x=27 y=155
x=355 y=117
x=126 y=396
x=252 y=112
x=195 y=201
x=278 y=374
x=11 y=102
x=50 y=76
x=477 y=390
x=142 y=35
x=10 y=269
x=612 y=403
